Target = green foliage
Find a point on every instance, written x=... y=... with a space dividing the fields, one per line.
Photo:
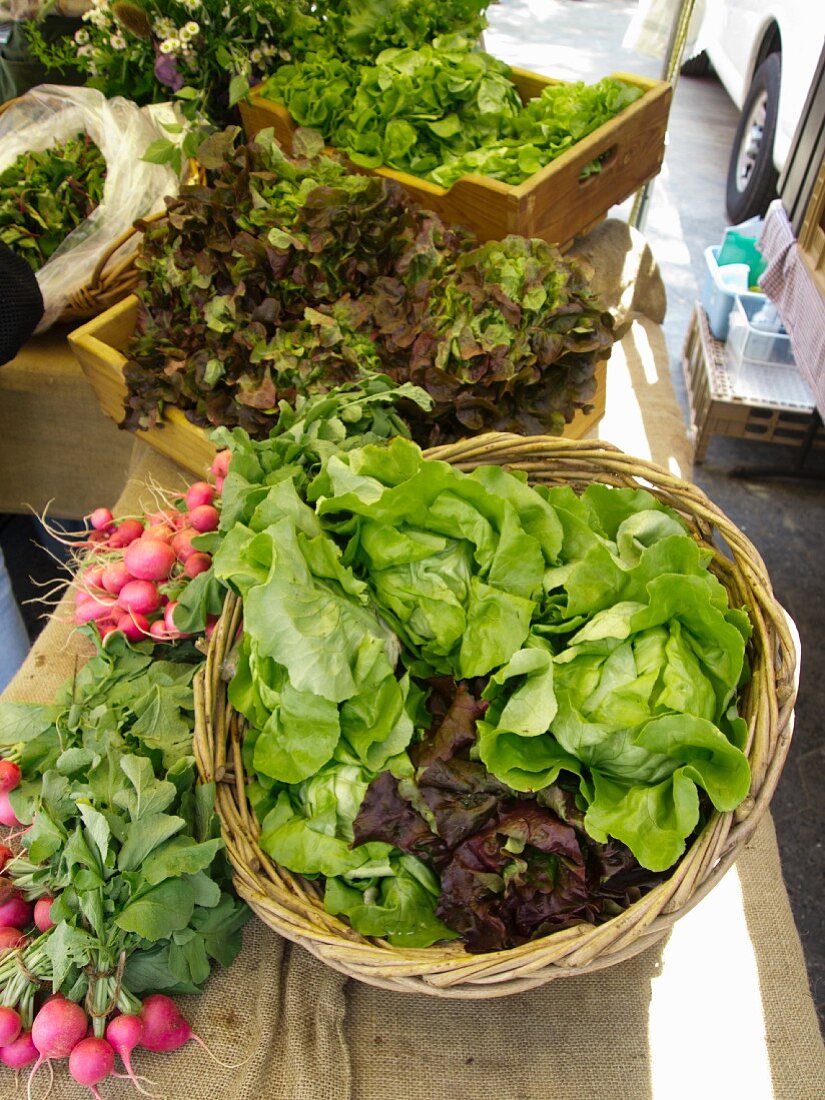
x=442 y=111
x=121 y=835
x=282 y=278
x=46 y=195
x=444 y=671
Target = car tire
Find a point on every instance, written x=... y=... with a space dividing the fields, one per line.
x=752 y=178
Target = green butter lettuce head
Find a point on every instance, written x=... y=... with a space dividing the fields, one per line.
x=455 y=562
x=646 y=659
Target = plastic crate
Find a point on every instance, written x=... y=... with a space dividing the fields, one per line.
x=717 y=300
x=760 y=362
x=716 y=410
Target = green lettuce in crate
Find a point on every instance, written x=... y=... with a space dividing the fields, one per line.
x=45 y=195
x=442 y=111
x=476 y=707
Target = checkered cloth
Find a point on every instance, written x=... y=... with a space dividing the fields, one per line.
x=21 y=303
x=788 y=283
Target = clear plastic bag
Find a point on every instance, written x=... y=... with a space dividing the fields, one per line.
x=132 y=189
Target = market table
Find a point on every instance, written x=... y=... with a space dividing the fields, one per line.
x=720 y=1009
x=55 y=444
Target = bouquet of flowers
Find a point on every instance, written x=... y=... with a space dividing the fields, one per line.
x=205 y=52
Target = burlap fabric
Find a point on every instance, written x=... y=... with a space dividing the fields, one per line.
x=55 y=443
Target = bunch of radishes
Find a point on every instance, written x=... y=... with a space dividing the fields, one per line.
x=133 y=569
x=61 y=1029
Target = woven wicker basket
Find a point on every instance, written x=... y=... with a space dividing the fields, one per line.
x=115 y=274
x=293 y=907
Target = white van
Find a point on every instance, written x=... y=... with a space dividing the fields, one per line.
x=765 y=52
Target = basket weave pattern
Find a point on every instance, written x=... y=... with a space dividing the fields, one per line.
x=293 y=906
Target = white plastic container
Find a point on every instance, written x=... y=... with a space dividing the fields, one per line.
x=760 y=361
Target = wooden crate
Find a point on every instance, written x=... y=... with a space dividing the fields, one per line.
x=555 y=203
x=98 y=346
x=716 y=410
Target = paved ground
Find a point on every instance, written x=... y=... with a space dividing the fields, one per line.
x=581 y=39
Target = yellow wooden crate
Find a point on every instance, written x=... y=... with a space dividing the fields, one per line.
x=99 y=347
x=556 y=203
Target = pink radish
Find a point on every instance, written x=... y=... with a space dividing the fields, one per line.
x=134 y=626
x=182 y=543
x=9 y=775
x=162 y=532
x=10 y=1025
x=91 y=609
x=100 y=519
x=92 y=577
x=42 y=914
x=125 y=533
x=19 y=1052
x=220 y=463
x=149 y=559
x=114 y=576
x=172 y=629
x=197 y=563
x=123 y=1034
x=219 y=485
x=140 y=597
x=15 y=911
x=157 y=630
x=5 y=855
x=57 y=1028
x=9 y=938
x=164 y=1029
x=90 y=1062
x=201 y=492
x=205 y=517
x=105 y=627
x=7 y=814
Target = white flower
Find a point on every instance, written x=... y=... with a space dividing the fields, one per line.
x=81 y=37
x=85 y=50
x=256 y=56
x=117 y=42
x=192 y=28
x=170 y=45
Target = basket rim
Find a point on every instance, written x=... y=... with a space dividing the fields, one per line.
x=449 y=970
